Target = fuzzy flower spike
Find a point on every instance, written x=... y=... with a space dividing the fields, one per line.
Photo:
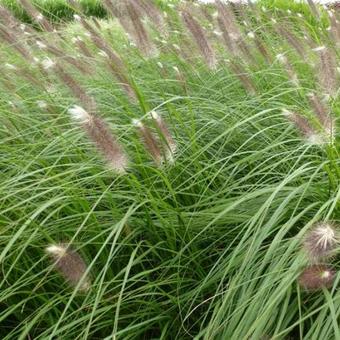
x=316 y=277
x=320 y=241
x=303 y=125
x=149 y=141
x=70 y=265
x=164 y=130
x=98 y=131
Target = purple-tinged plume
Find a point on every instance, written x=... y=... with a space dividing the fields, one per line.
x=70 y=265
x=202 y=42
x=149 y=141
x=98 y=131
x=316 y=277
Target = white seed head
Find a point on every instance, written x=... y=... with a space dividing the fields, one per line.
x=251 y=35
x=56 y=250
x=137 y=122
x=176 y=69
x=48 y=63
x=234 y=36
x=316 y=139
x=287 y=113
x=218 y=33
x=154 y=115
x=320 y=241
x=325 y=274
x=281 y=58
x=10 y=66
x=76 y=17
x=39 y=17
x=79 y=114
x=103 y=54
x=319 y=48
x=41 y=45
x=326 y=234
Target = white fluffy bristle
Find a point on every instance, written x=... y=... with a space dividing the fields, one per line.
x=137 y=122
x=79 y=114
x=318 y=49
x=286 y=112
x=154 y=115
x=56 y=250
x=47 y=63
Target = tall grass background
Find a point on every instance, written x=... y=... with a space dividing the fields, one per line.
x=207 y=245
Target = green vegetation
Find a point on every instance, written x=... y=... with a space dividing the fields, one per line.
x=208 y=246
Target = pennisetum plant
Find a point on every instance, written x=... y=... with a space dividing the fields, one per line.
x=98 y=131
x=242 y=74
x=38 y=17
x=296 y=43
x=321 y=241
x=292 y=75
x=140 y=35
x=323 y=115
x=308 y=131
x=326 y=71
x=200 y=39
x=160 y=149
x=319 y=245
x=166 y=136
x=113 y=60
x=70 y=265
x=149 y=141
x=317 y=276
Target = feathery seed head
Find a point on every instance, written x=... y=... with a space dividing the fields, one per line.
x=56 y=250
x=251 y=35
x=137 y=122
x=319 y=48
x=99 y=132
x=103 y=54
x=39 y=17
x=70 y=265
x=41 y=45
x=281 y=58
x=154 y=114
x=48 y=63
x=320 y=241
x=79 y=114
x=316 y=139
x=302 y=123
x=149 y=141
x=317 y=276
x=163 y=128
